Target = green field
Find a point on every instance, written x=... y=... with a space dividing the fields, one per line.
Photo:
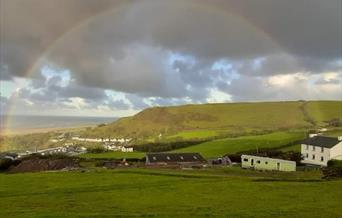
x=324 y=110
x=113 y=155
x=195 y=134
x=229 y=192
x=295 y=148
x=221 y=147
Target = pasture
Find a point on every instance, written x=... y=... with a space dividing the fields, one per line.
x=228 y=192
x=221 y=147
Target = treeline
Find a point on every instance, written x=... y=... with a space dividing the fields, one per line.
x=335 y=122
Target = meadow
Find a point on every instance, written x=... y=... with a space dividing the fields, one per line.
x=227 y=192
x=221 y=147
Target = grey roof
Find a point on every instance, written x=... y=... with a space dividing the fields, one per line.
x=322 y=141
x=174 y=157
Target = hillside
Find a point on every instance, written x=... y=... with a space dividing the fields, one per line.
x=210 y=120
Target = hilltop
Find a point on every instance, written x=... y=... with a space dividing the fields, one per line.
x=225 y=119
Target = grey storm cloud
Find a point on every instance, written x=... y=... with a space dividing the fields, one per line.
x=52 y=90
x=124 y=45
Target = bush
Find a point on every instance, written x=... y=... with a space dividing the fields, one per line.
x=5 y=164
x=335 y=122
x=335 y=163
x=334 y=169
x=98 y=149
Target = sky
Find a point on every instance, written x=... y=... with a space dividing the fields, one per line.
x=118 y=57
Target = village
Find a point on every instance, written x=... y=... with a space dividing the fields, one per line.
x=316 y=151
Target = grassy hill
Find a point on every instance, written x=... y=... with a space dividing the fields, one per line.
x=215 y=120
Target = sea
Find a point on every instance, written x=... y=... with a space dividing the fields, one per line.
x=24 y=122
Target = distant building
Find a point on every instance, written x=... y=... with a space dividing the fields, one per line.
x=266 y=163
x=225 y=160
x=188 y=159
x=318 y=150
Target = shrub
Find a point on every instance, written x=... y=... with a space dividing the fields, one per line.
x=5 y=164
x=98 y=149
x=335 y=163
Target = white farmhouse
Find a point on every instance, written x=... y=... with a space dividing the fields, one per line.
x=318 y=150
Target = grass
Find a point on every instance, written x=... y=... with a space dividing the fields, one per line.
x=220 y=147
x=334 y=132
x=195 y=134
x=113 y=155
x=230 y=192
x=324 y=110
x=295 y=148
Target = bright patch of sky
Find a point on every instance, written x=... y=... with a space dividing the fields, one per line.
x=49 y=72
x=7 y=88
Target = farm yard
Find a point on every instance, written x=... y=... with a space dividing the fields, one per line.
x=228 y=192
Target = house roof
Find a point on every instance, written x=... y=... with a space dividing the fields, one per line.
x=174 y=157
x=322 y=141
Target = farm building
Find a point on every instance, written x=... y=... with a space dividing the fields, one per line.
x=266 y=163
x=225 y=160
x=318 y=150
x=190 y=159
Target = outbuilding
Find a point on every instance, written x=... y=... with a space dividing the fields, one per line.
x=266 y=163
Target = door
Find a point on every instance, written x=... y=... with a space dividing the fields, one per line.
x=278 y=166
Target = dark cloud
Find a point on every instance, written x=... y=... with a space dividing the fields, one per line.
x=51 y=90
x=127 y=46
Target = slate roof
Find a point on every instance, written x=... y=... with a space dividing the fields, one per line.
x=174 y=157
x=321 y=141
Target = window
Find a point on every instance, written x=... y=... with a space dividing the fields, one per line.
x=322 y=158
x=245 y=160
x=266 y=162
x=307 y=147
x=313 y=157
x=322 y=149
x=307 y=155
x=313 y=148
x=258 y=161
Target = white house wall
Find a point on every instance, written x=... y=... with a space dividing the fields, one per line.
x=313 y=154
x=336 y=151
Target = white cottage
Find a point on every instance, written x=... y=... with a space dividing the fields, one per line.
x=318 y=150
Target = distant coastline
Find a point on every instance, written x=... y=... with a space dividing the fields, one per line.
x=23 y=124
